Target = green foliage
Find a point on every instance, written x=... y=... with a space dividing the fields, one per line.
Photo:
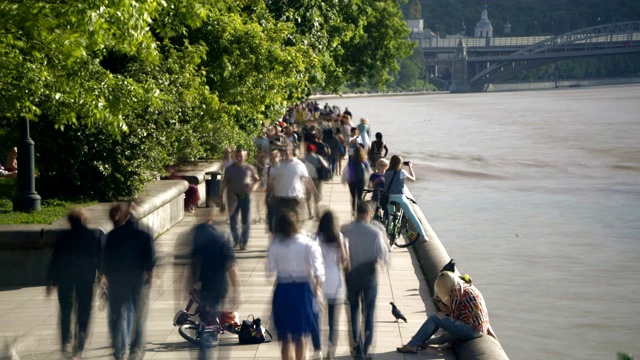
x=51 y=209
x=118 y=90
x=623 y=356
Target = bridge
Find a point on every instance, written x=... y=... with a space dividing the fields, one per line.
x=475 y=63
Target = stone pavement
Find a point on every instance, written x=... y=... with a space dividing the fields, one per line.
x=28 y=314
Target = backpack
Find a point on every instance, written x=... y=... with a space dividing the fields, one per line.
x=323 y=171
x=252 y=332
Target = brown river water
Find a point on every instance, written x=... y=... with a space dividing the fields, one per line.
x=536 y=195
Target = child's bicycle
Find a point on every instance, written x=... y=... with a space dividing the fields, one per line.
x=205 y=331
x=395 y=223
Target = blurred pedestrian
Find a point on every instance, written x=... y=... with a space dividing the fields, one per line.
x=289 y=182
x=296 y=262
x=314 y=162
x=335 y=255
x=240 y=179
x=269 y=197
x=213 y=269
x=129 y=259
x=367 y=247
x=375 y=151
x=73 y=271
x=356 y=176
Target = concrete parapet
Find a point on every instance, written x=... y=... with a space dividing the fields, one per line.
x=25 y=250
x=196 y=174
x=433 y=256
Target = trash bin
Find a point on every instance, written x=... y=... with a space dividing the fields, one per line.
x=213 y=184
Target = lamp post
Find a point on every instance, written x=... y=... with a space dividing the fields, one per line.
x=27 y=199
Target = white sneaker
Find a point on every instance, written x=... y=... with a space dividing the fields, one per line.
x=317 y=355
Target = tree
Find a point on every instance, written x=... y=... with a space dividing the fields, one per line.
x=127 y=88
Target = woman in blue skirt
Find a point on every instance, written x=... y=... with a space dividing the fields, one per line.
x=296 y=262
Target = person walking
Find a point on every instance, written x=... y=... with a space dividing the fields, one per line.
x=213 y=268
x=464 y=314
x=356 y=176
x=269 y=197
x=335 y=255
x=367 y=247
x=73 y=271
x=375 y=151
x=314 y=162
x=239 y=181
x=289 y=182
x=129 y=259
x=394 y=179
x=296 y=262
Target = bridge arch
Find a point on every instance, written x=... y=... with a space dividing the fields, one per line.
x=605 y=39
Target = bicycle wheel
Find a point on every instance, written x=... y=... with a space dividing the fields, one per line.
x=409 y=238
x=191 y=333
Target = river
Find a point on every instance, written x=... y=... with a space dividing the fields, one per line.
x=536 y=195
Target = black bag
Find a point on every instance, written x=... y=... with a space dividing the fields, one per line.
x=384 y=200
x=324 y=173
x=252 y=332
x=384 y=197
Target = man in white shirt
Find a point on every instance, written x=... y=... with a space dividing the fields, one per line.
x=289 y=182
x=367 y=247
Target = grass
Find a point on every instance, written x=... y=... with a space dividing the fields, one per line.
x=51 y=209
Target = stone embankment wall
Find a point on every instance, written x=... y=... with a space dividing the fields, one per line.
x=562 y=84
x=433 y=256
x=25 y=250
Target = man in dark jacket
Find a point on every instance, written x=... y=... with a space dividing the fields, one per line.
x=213 y=268
x=73 y=270
x=129 y=259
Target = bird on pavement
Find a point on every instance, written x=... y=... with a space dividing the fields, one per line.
x=397 y=313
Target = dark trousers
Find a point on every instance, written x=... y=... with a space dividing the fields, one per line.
x=83 y=290
x=124 y=291
x=243 y=208
x=362 y=287
x=331 y=312
x=356 y=188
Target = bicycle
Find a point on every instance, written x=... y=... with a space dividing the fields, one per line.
x=395 y=223
x=201 y=333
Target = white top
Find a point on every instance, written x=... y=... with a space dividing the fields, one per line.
x=287 y=179
x=333 y=286
x=296 y=259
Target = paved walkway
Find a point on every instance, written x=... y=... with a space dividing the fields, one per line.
x=28 y=313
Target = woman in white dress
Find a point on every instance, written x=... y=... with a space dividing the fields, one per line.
x=335 y=253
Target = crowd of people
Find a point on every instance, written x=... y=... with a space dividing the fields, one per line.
x=311 y=271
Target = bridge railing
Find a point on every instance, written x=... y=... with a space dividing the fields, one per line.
x=478 y=42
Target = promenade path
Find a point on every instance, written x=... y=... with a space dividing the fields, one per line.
x=28 y=313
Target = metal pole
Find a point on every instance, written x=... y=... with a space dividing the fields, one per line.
x=27 y=199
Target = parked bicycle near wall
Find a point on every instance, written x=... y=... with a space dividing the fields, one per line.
x=395 y=224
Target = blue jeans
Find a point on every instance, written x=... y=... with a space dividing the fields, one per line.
x=455 y=327
x=125 y=332
x=244 y=207
x=408 y=210
x=127 y=293
x=368 y=295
